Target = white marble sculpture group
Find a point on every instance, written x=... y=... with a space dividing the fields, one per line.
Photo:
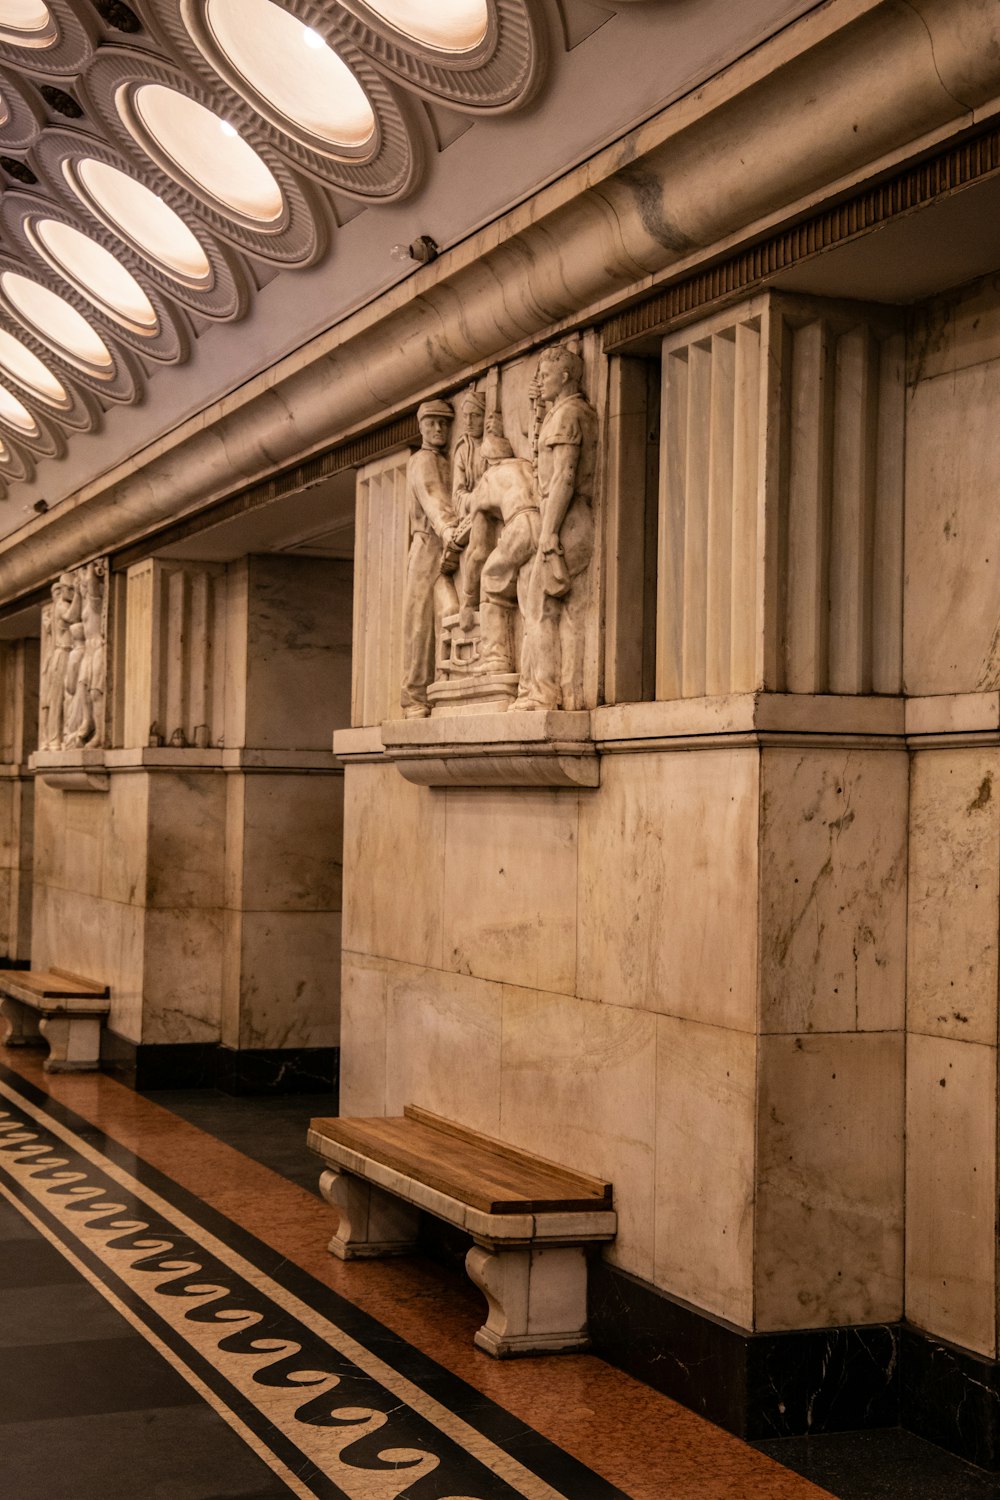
x=73 y=660
x=500 y=546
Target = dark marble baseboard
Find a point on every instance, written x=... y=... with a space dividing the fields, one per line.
x=146 y=1067
x=15 y=963
x=757 y=1385
x=765 y=1386
x=950 y=1396
x=206 y=1065
x=287 y=1070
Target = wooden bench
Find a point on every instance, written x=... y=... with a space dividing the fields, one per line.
x=531 y=1221
x=57 y=1007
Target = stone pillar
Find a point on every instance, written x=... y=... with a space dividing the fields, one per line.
x=194 y=866
x=952 y=661
x=18 y=739
x=688 y=979
x=288 y=687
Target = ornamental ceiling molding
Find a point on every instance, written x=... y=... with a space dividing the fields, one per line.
x=635 y=212
x=297 y=236
x=224 y=295
x=384 y=168
x=22 y=212
x=89 y=61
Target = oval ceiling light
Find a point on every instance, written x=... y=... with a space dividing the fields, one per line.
x=142 y=217
x=96 y=273
x=12 y=411
x=446 y=25
x=289 y=73
x=26 y=367
x=206 y=149
x=27 y=23
x=59 y=324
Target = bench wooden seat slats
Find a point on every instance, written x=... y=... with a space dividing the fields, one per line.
x=51 y=984
x=532 y=1222
x=481 y=1173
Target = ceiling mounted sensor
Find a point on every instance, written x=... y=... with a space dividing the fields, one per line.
x=95 y=272
x=57 y=323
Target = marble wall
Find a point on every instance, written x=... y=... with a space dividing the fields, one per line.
x=632 y=981
x=202 y=883
x=19 y=669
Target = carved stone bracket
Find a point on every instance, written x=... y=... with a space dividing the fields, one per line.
x=512 y=749
x=72 y=770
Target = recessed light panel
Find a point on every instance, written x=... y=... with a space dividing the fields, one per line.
x=18 y=415
x=209 y=151
x=142 y=217
x=56 y=321
x=447 y=25
x=96 y=272
x=291 y=71
x=29 y=370
x=28 y=22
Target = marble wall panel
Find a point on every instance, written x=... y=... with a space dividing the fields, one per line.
x=394 y=836
x=187 y=825
x=289 y=978
x=96 y=938
x=668 y=885
x=832 y=890
x=954 y=893
x=10 y=851
x=951 y=636
x=182 y=979
x=363 y=1036
x=829 y=1232
x=292 y=842
x=443 y=1045
x=510 y=886
x=298 y=676
x=951 y=1190
x=578 y=1086
x=124 y=836
x=705 y=1091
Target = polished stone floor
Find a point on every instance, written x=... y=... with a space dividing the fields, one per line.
x=172 y=1326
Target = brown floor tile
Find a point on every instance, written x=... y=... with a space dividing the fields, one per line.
x=647 y=1445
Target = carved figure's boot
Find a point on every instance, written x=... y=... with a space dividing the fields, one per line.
x=496 y=646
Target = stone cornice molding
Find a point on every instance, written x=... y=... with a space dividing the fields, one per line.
x=851 y=90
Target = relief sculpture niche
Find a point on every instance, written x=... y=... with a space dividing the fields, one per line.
x=497 y=585
x=73 y=660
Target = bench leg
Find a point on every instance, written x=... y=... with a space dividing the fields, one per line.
x=537 y=1298
x=22 y=1024
x=372 y=1222
x=74 y=1043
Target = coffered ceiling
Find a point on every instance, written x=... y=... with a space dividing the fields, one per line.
x=163 y=162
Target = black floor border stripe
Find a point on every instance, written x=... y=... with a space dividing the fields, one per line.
x=508 y=1432
x=297 y=1462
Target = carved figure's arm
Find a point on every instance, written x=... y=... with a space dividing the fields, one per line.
x=433 y=498
x=556 y=502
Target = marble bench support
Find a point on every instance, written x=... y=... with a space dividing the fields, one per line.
x=531 y=1268
x=71 y=1028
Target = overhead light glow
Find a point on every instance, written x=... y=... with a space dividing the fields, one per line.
x=447 y=25
x=318 y=92
x=18 y=415
x=142 y=217
x=52 y=317
x=25 y=15
x=95 y=272
x=26 y=367
x=231 y=173
x=227 y=129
